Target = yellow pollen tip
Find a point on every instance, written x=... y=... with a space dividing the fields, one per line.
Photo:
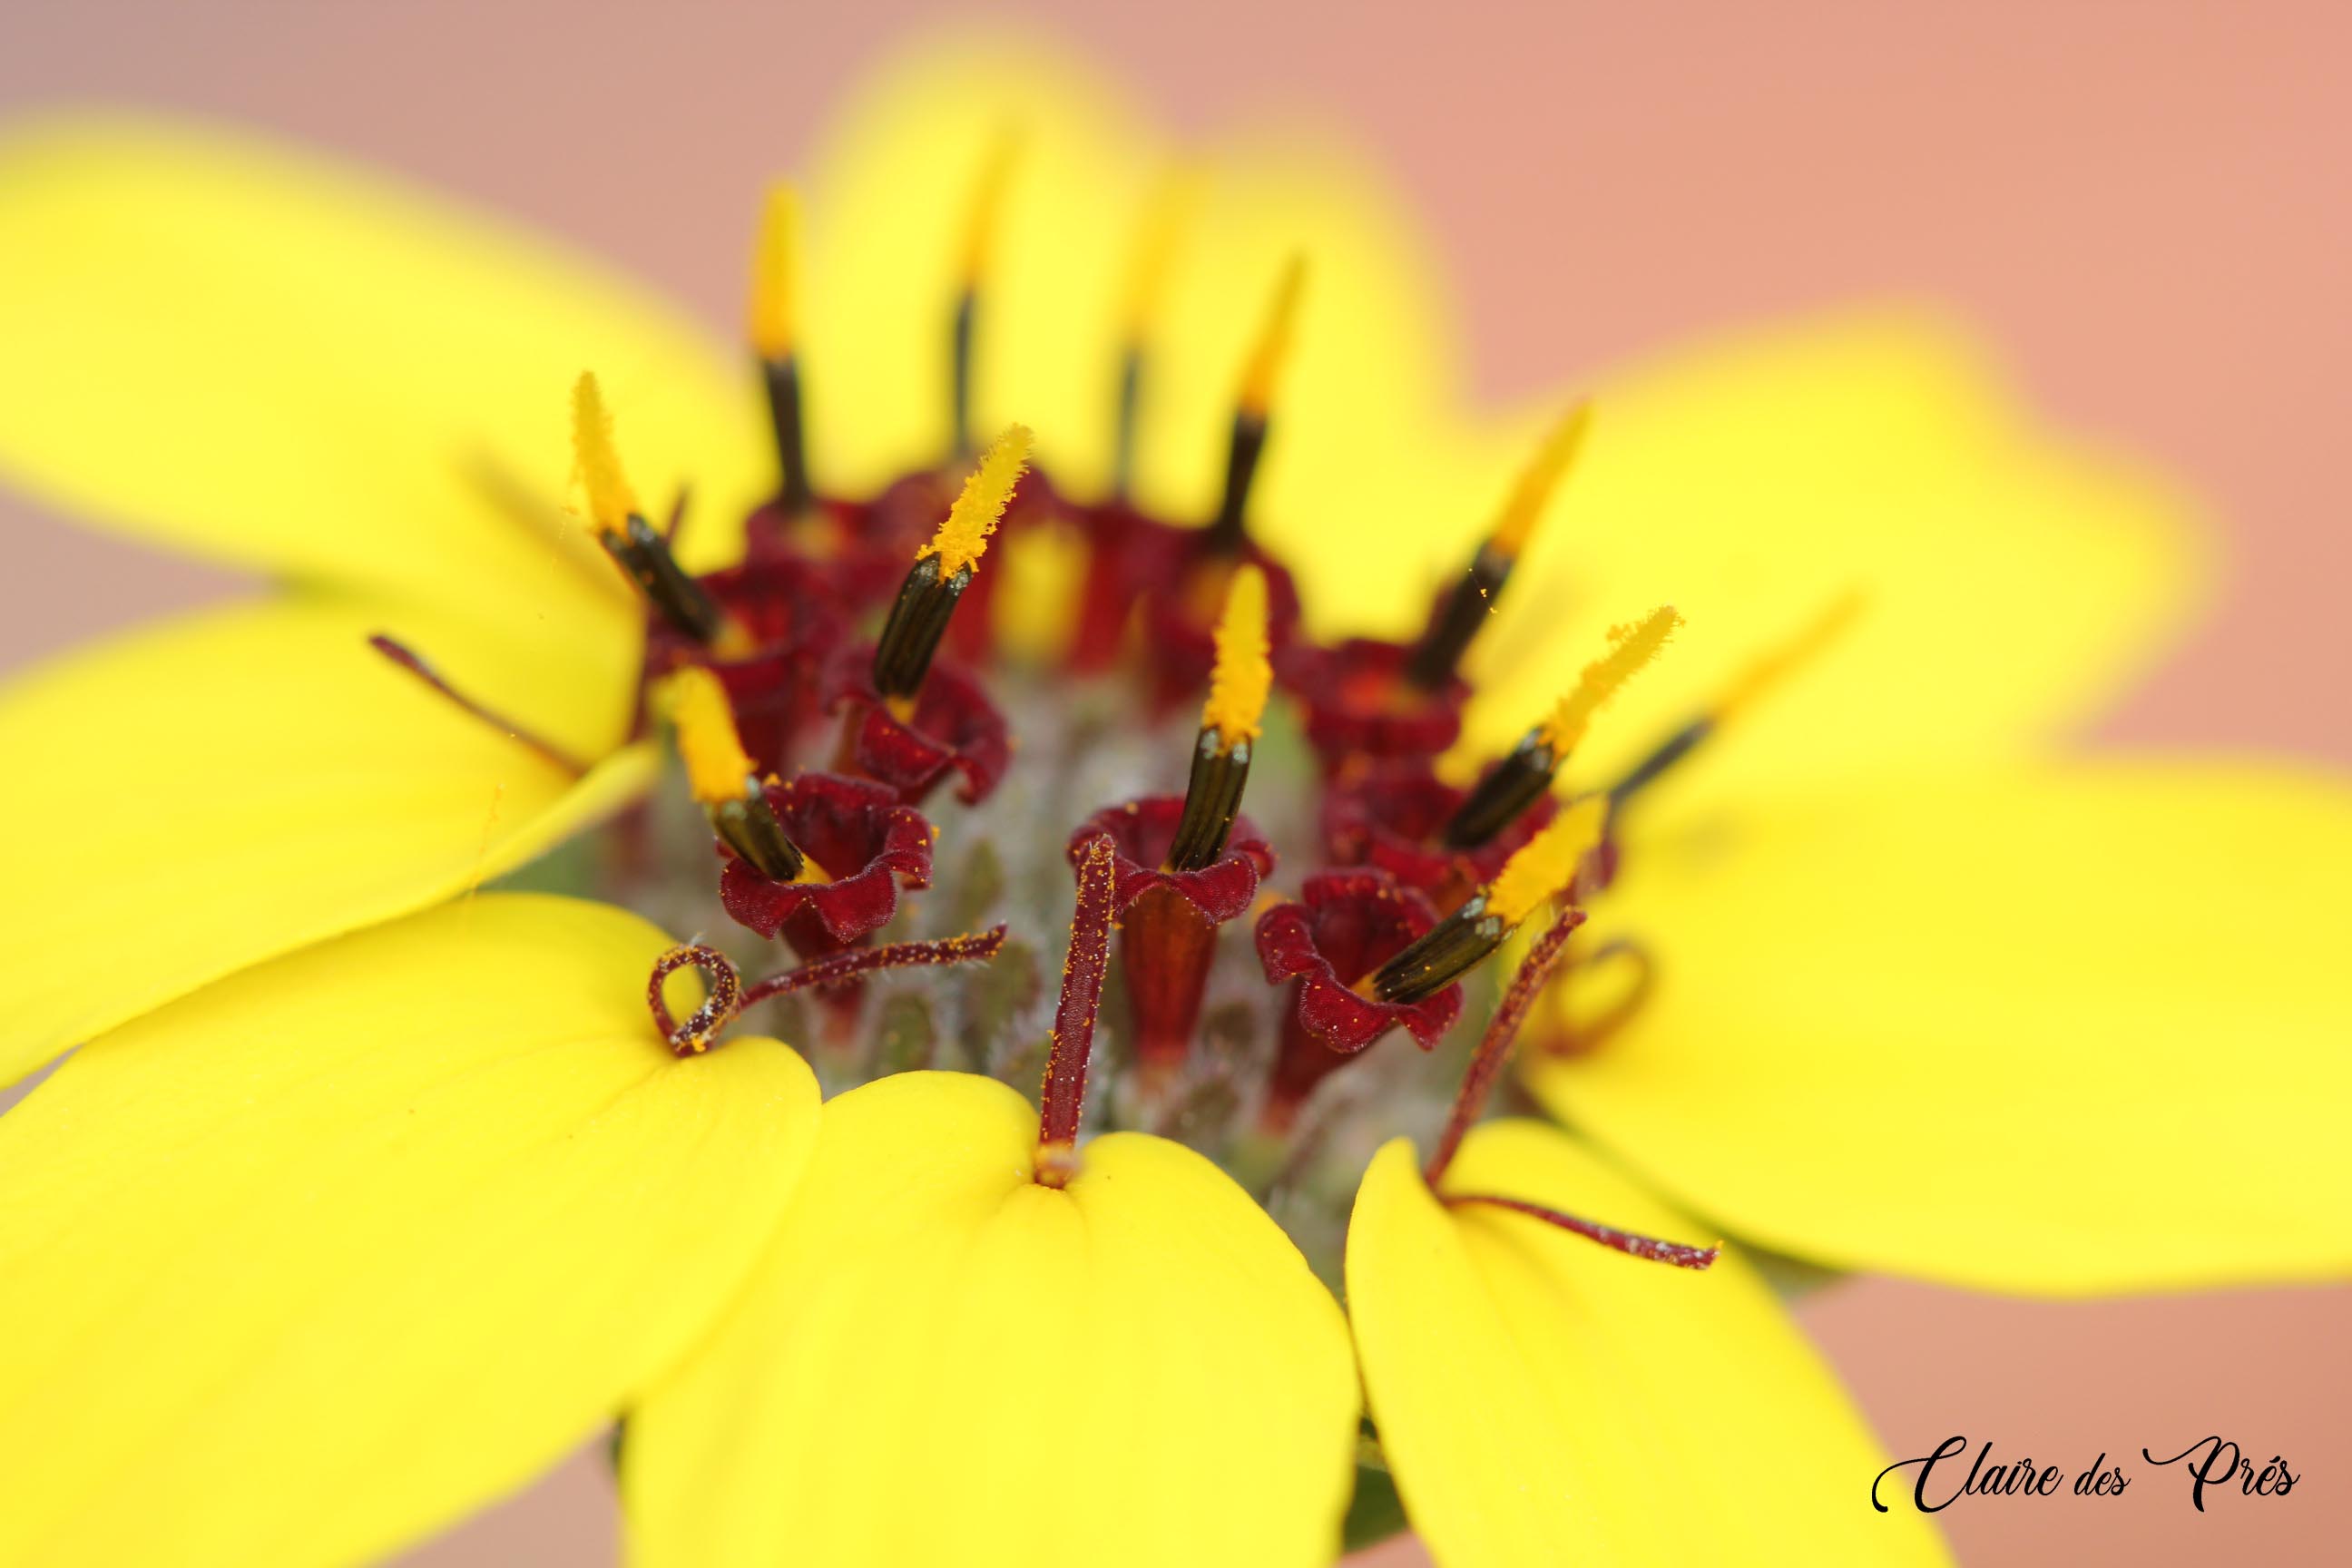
x=962 y=539
x=772 y=257
x=717 y=769
x=1773 y=667
x=597 y=462
x=1155 y=243
x=1547 y=863
x=987 y=205
x=1629 y=647
x=1244 y=673
x=1536 y=482
x=1273 y=346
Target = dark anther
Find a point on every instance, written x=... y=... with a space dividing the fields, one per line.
x=1458 y=620
x=1240 y=468
x=1448 y=950
x=959 y=389
x=1508 y=788
x=749 y=826
x=918 y=620
x=1211 y=800
x=783 y=379
x=1646 y=773
x=645 y=555
x=1130 y=414
x=693 y=1036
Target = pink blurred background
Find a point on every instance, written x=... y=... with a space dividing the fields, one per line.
x=2143 y=204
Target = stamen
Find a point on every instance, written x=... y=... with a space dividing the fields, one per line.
x=1766 y=670
x=1259 y=376
x=1679 y=1254
x=611 y=501
x=1543 y=867
x=413 y=662
x=1230 y=723
x=1493 y=1052
x=944 y=567
x=627 y=536
x=1775 y=664
x=979 y=241
x=1525 y=772
x=1473 y=600
x=1244 y=673
x=1147 y=275
x=1065 y=1091
x=730 y=996
x=723 y=779
x=773 y=267
x=1547 y=862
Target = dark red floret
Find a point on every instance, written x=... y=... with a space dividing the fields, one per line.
x=1141 y=832
x=1344 y=925
x=841 y=545
x=1180 y=606
x=1169 y=918
x=793 y=626
x=1392 y=815
x=869 y=845
x=1361 y=709
x=953 y=725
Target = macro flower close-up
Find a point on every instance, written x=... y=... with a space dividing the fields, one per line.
x=1058 y=903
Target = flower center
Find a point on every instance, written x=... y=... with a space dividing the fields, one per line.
x=812 y=764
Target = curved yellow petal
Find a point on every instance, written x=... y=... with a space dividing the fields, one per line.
x=197 y=796
x=327 y=1254
x=2071 y=1030
x=942 y=1360
x=2010 y=585
x=1541 y=1399
x=264 y=356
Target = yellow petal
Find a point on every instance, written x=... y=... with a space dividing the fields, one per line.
x=942 y=1360
x=281 y=361
x=2072 y=1030
x=2010 y=583
x=195 y=797
x=1544 y=1400
x=322 y=1256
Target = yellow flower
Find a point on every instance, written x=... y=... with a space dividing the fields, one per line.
x=318 y=1243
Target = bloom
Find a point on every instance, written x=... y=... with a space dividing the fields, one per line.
x=904 y=1299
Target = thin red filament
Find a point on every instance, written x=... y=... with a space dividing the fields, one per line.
x=1074 y=1017
x=1608 y=1236
x=728 y=994
x=972 y=948
x=1494 y=1051
x=413 y=662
